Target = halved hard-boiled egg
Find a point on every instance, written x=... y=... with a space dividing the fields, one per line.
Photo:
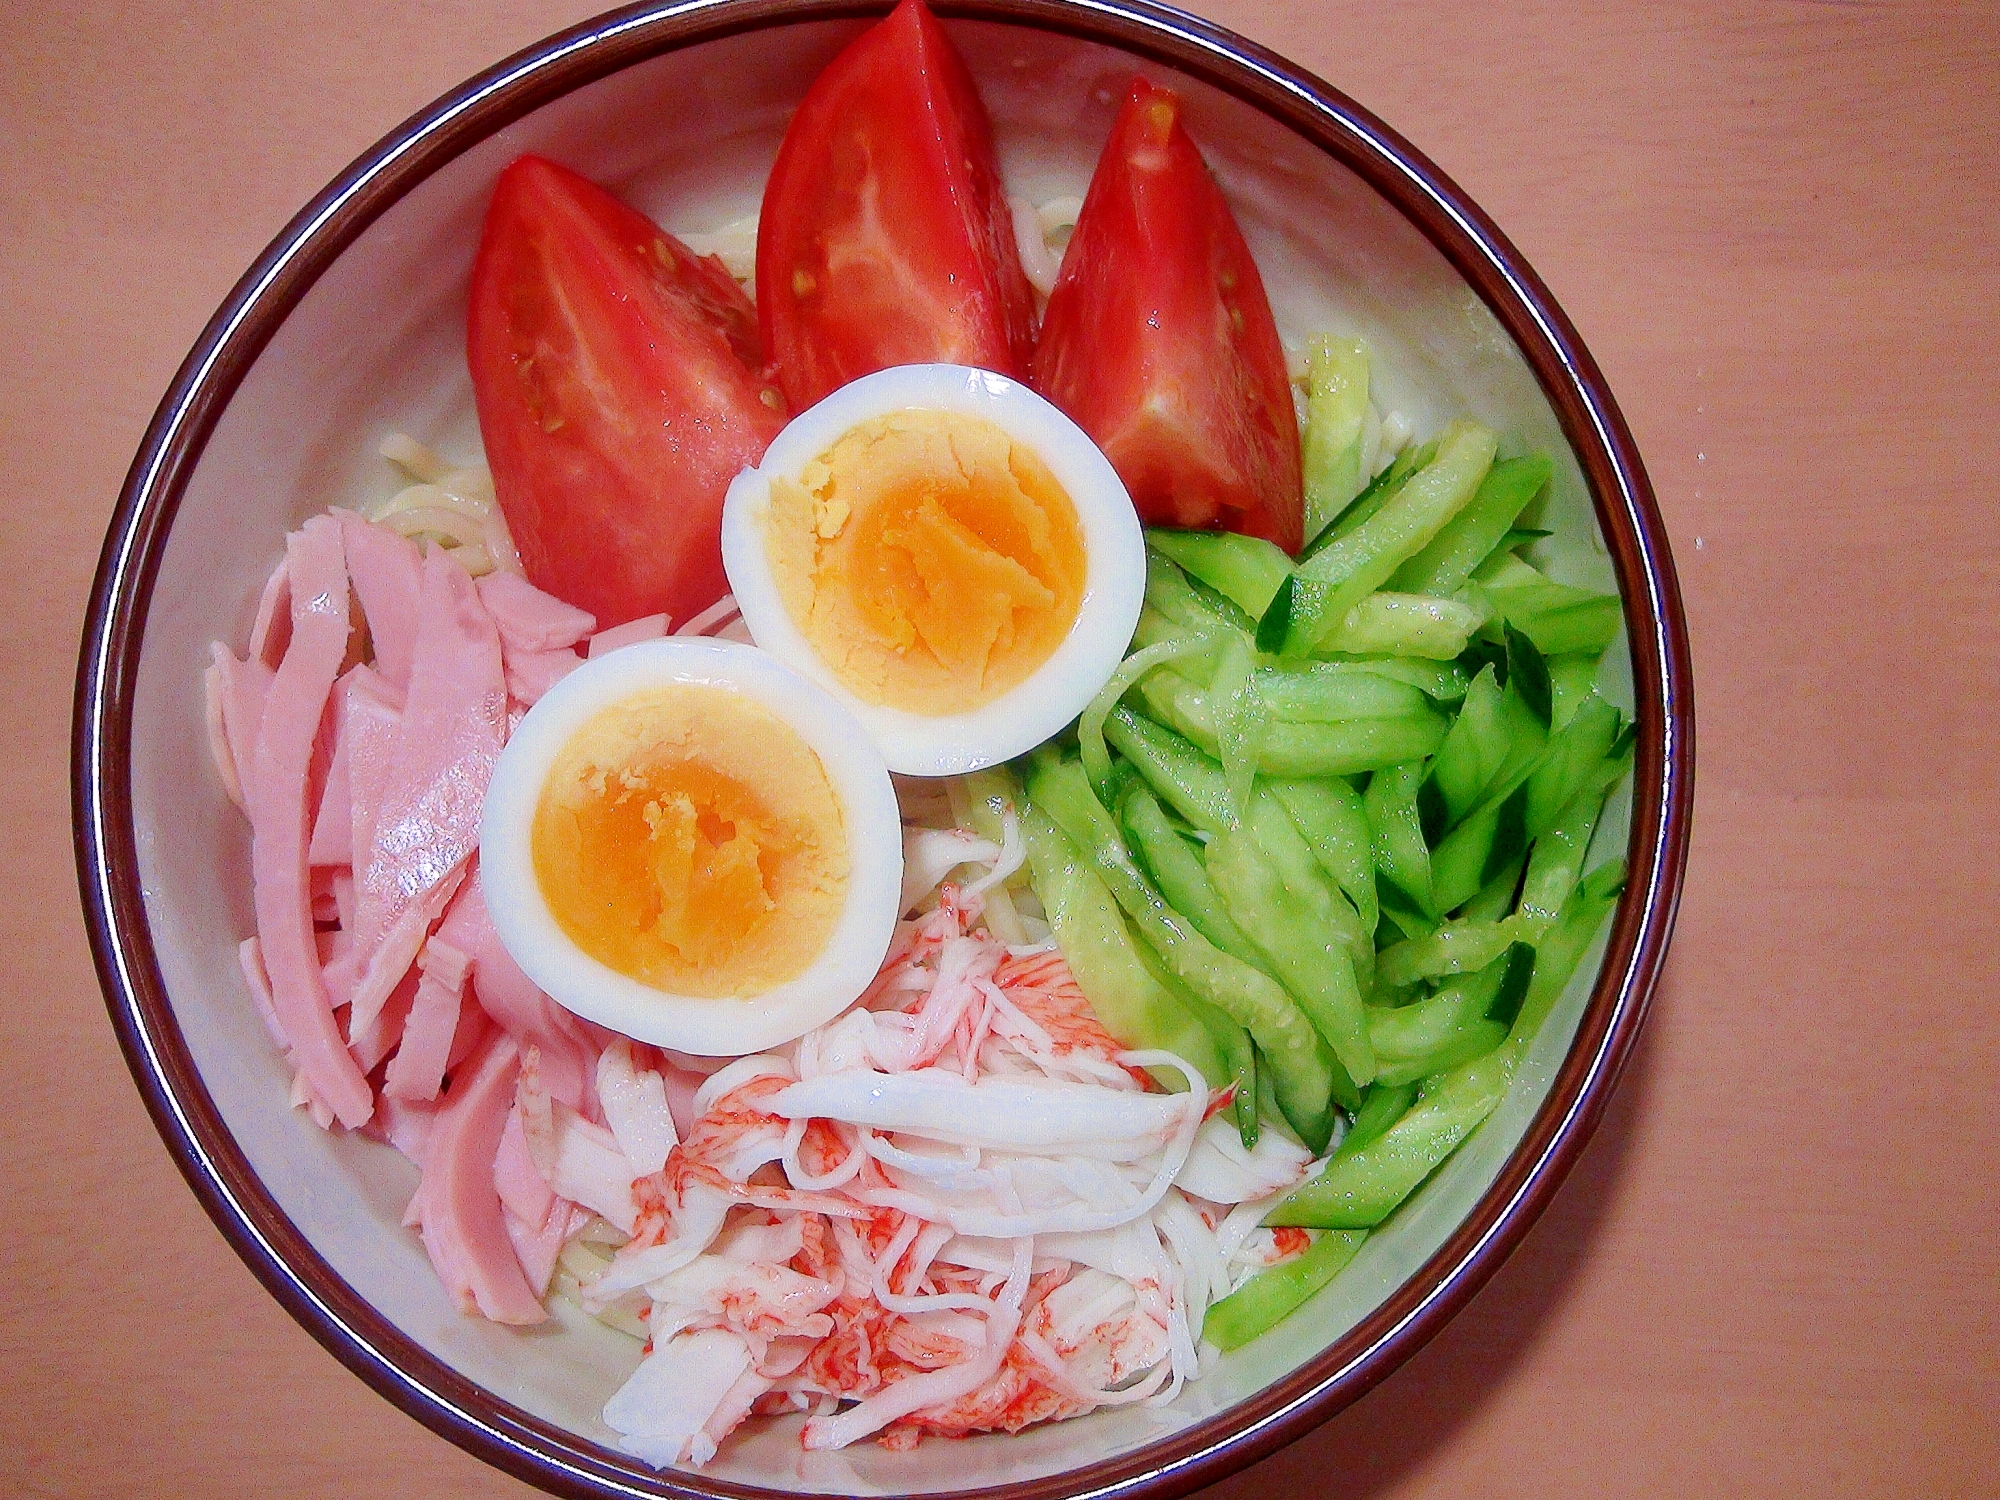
x=944 y=552
x=685 y=842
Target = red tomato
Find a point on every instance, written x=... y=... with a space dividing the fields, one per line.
x=885 y=237
x=616 y=376
x=1158 y=339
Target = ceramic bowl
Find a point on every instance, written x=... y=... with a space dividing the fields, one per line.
x=350 y=327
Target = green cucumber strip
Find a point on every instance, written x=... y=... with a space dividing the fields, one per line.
x=1181 y=876
x=1503 y=570
x=1480 y=849
x=1382 y=1106
x=1571 y=761
x=1090 y=725
x=1239 y=1053
x=1517 y=972
x=1557 y=618
x=1448 y=559
x=1303 y=873
x=1556 y=862
x=1528 y=674
x=1572 y=678
x=1246 y=570
x=1134 y=1007
x=1396 y=833
x=1454 y=948
x=1276 y=622
x=1275 y=1293
x=1379 y=491
x=1520 y=536
x=1463 y=1020
x=1440 y=681
x=1353 y=566
x=1495 y=899
x=1184 y=778
x=1473 y=749
x=1324 y=692
x=1289 y=749
x=1391 y=624
x=1241 y=724
x=1302 y=1067
x=1273 y=889
x=1336 y=416
x=1182 y=600
x=1360 y=1191
x=1561 y=948
x=1331 y=819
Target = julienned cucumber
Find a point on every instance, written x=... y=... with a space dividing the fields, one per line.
x=1332 y=816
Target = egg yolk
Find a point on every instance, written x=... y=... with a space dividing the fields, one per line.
x=930 y=560
x=689 y=838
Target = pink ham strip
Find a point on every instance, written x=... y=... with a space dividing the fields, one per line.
x=405 y=1126
x=278 y=803
x=381 y=971
x=387 y=570
x=333 y=829
x=236 y=692
x=446 y=744
x=387 y=1034
x=270 y=633
x=519 y=1181
x=530 y=620
x=645 y=628
x=569 y=1050
x=464 y=1225
x=417 y=1070
x=530 y=674
x=373 y=713
x=249 y=954
x=536 y=1250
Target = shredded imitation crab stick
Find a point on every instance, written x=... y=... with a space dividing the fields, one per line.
x=960 y=1207
x=962 y=1210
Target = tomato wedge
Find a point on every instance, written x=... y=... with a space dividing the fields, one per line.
x=616 y=377
x=885 y=237
x=1158 y=339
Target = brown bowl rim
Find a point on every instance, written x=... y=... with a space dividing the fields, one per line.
x=106 y=844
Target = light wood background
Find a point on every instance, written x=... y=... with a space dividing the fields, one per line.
x=1775 y=1273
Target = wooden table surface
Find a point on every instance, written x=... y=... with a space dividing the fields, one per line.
x=1777 y=1271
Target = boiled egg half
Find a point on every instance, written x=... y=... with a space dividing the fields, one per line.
x=946 y=554
x=685 y=842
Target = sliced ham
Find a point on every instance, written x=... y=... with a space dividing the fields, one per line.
x=390 y=1028
x=645 y=628
x=387 y=570
x=536 y=1250
x=417 y=1070
x=567 y=1046
x=271 y=631
x=519 y=1182
x=278 y=795
x=333 y=827
x=529 y=619
x=530 y=674
x=464 y=1224
x=447 y=741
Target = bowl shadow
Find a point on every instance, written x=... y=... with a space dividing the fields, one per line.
x=1380 y=1441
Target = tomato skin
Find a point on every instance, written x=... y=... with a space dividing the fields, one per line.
x=1158 y=339
x=616 y=379
x=885 y=237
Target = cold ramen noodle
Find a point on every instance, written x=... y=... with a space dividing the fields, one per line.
x=930 y=846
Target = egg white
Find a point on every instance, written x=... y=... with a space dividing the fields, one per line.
x=1114 y=566
x=708 y=1026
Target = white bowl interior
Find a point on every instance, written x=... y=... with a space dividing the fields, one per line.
x=377 y=346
